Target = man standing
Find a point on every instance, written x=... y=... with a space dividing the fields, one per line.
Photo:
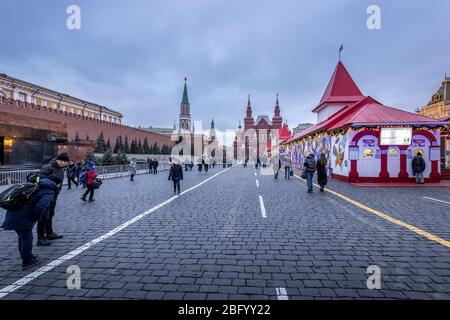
x=418 y=166
x=54 y=170
x=149 y=165
x=155 y=166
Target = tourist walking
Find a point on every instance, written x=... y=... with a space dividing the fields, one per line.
x=309 y=167
x=206 y=164
x=287 y=163
x=418 y=166
x=276 y=165
x=71 y=173
x=321 y=166
x=150 y=165
x=176 y=175
x=133 y=170
x=54 y=171
x=23 y=219
x=91 y=175
x=200 y=165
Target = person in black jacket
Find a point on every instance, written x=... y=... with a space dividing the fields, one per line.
x=23 y=219
x=54 y=170
x=418 y=166
x=176 y=175
x=309 y=167
x=71 y=175
x=155 y=166
x=321 y=166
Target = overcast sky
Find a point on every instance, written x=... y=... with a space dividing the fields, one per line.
x=132 y=56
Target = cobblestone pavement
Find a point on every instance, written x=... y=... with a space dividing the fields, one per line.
x=216 y=241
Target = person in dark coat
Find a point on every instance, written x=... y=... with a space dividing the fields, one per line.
x=80 y=166
x=176 y=175
x=309 y=166
x=23 y=219
x=418 y=166
x=321 y=166
x=155 y=166
x=71 y=175
x=54 y=171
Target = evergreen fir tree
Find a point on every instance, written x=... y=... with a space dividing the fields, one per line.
x=108 y=146
x=126 y=146
x=145 y=147
x=87 y=137
x=117 y=145
x=77 y=137
x=156 y=149
x=140 y=147
x=108 y=159
x=133 y=148
x=101 y=146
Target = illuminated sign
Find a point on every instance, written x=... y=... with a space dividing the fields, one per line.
x=395 y=136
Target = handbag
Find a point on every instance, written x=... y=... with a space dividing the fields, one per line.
x=97 y=183
x=291 y=173
x=304 y=174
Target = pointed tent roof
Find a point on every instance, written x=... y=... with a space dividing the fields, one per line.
x=284 y=133
x=341 y=88
x=185 y=94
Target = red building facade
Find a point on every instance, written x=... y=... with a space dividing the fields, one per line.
x=257 y=134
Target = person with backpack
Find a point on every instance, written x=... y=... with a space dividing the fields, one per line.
x=418 y=166
x=54 y=171
x=321 y=166
x=309 y=167
x=133 y=170
x=287 y=163
x=23 y=218
x=90 y=180
x=71 y=175
x=176 y=175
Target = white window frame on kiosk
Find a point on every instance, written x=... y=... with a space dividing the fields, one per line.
x=395 y=136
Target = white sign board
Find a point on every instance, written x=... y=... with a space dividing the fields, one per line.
x=395 y=136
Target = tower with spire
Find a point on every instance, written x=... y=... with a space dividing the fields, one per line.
x=212 y=132
x=248 y=120
x=185 y=110
x=277 y=120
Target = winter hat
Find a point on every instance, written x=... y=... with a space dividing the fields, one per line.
x=63 y=157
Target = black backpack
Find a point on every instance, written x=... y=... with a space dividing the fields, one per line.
x=18 y=195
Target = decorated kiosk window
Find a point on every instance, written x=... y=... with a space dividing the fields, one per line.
x=368 y=154
x=393 y=153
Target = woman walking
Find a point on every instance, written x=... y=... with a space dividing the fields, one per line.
x=321 y=166
x=132 y=169
x=176 y=175
x=276 y=164
x=90 y=179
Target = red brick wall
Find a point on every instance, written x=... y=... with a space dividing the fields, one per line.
x=83 y=125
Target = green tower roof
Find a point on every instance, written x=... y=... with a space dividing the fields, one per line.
x=185 y=94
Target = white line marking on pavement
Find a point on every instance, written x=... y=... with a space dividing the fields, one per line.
x=255 y=174
x=436 y=200
x=257 y=183
x=53 y=264
x=263 y=209
x=282 y=294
